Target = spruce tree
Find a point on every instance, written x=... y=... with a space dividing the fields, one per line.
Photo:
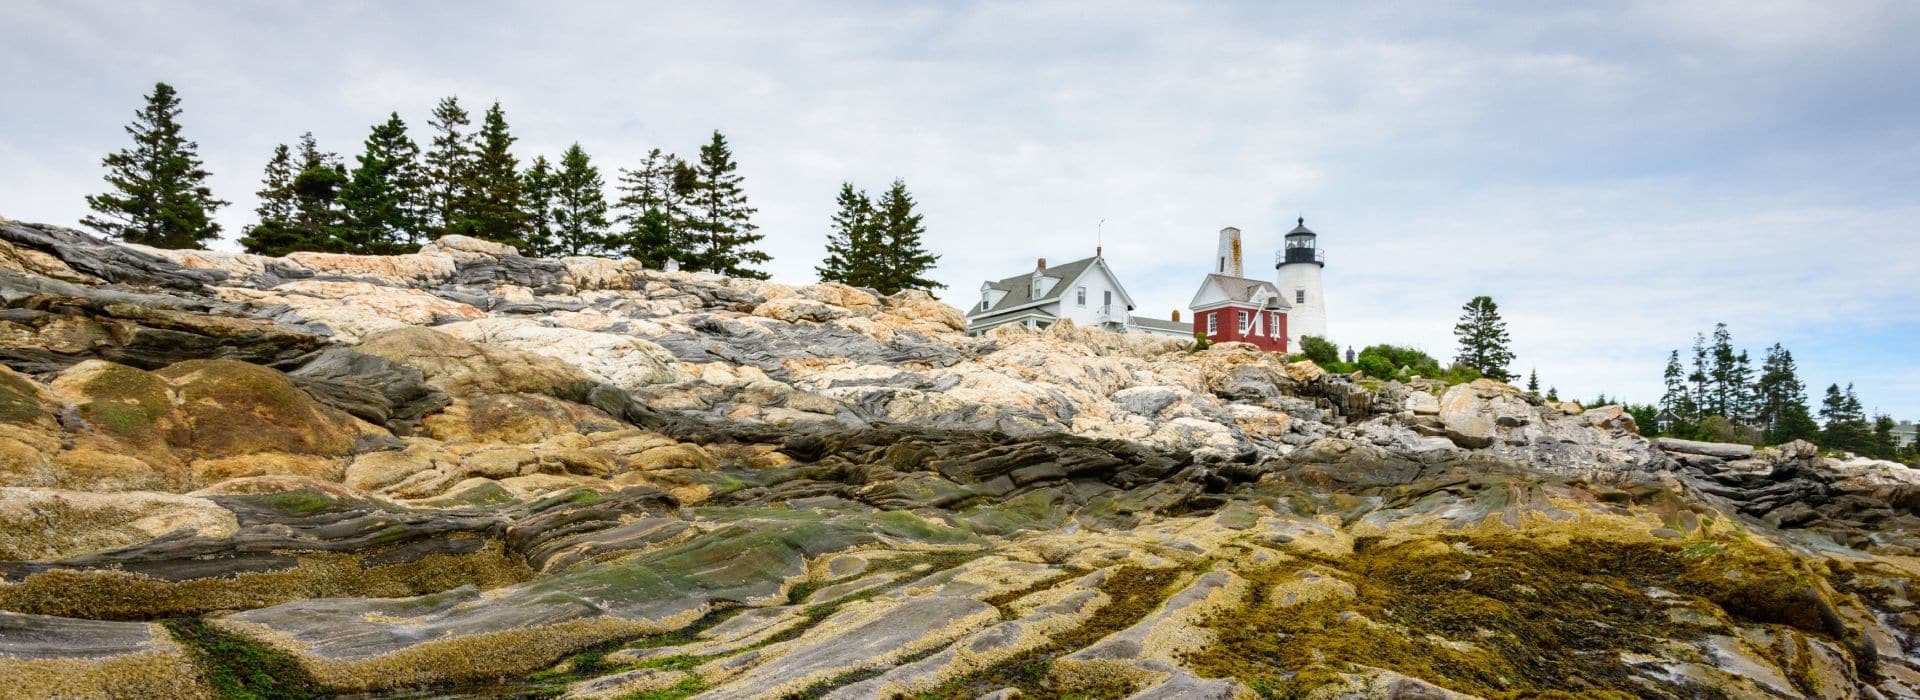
x=904 y=260
x=1780 y=399
x=493 y=186
x=449 y=167
x=1698 y=377
x=316 y=197
x=1846 y=423
x=1483 y=339
x=852 y=251
x=1677 y=398
x=536 y=206
x=1882 y=446
x=1725 y=380
x=653 y=209
x=580 y=206
x=159 y=194
x=1533 y=381
x=383 y=199
x=274 y=232
x=722 y=226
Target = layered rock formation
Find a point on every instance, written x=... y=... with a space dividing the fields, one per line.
x=464 y=472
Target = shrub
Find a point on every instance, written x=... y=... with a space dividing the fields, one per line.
x=1322 y=351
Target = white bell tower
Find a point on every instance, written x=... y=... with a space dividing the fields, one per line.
x=1300 y=264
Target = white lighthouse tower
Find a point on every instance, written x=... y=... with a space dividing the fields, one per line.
x=1299 y=265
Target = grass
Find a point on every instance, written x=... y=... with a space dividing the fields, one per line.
x=687 y=687
x=242 y=669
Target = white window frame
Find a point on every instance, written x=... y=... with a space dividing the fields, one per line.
x=1245 y=321
x=1273 y=327
x=1080 y=296
x=1213 y=324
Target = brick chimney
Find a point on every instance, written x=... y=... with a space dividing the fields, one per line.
x=1039 y=271
x=1176 y=315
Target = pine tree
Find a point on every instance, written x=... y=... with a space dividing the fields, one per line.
x=580 y=206
x=536 y=205
x=1882 y=446
x=1533 y=381
x=274 y=233
x=1846 y=423
x=449 y=164
x=1698 y=377
x=316 y=196
x=1720 y=356
x=1740 y=377
x=1553 y=394
x=383 y=198
x=1780 y=398
x=722 y=228
x=852 y=251
x=1677 y=398
x=904 y=260
x=159 y=193
x=653 y=208
x=1483 y=339
x=493 y=186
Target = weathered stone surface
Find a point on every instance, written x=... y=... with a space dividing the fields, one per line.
x=450 y=472
x=1719 y=450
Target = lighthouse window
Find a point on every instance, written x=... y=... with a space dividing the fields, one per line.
x=1299 y=296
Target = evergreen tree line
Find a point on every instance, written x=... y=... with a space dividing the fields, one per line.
x=1718 y=394
x=467 y=181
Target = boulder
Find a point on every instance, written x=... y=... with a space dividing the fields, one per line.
x=1720 y=450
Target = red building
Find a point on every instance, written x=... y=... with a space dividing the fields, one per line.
x=1230 y=308
x=1240 y=310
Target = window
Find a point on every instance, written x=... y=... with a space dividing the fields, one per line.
x=1299 y=296
x=1273 y=326
x=1243 y=322
x=1213 y=324
x=1223 y=264
x=1081 y=296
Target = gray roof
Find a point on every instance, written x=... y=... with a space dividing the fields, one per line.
x=1175 y=326
x=1241 y=289
x=1019 y=288
x=1302 y=228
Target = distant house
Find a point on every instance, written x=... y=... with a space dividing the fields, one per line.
x=1904 y=433
x=1665 y=420
x=1086 y=291
x=1240 y=310
x=1230 y=307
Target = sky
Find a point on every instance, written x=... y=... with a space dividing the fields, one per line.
x=1617 y=176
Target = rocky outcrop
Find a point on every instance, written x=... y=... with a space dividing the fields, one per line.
x=463 y=467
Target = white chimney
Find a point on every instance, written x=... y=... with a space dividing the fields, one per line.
x=1229 y=260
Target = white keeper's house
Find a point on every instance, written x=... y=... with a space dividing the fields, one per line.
x=1086 y=291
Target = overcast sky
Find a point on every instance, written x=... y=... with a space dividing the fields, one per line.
x=1617 y=177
